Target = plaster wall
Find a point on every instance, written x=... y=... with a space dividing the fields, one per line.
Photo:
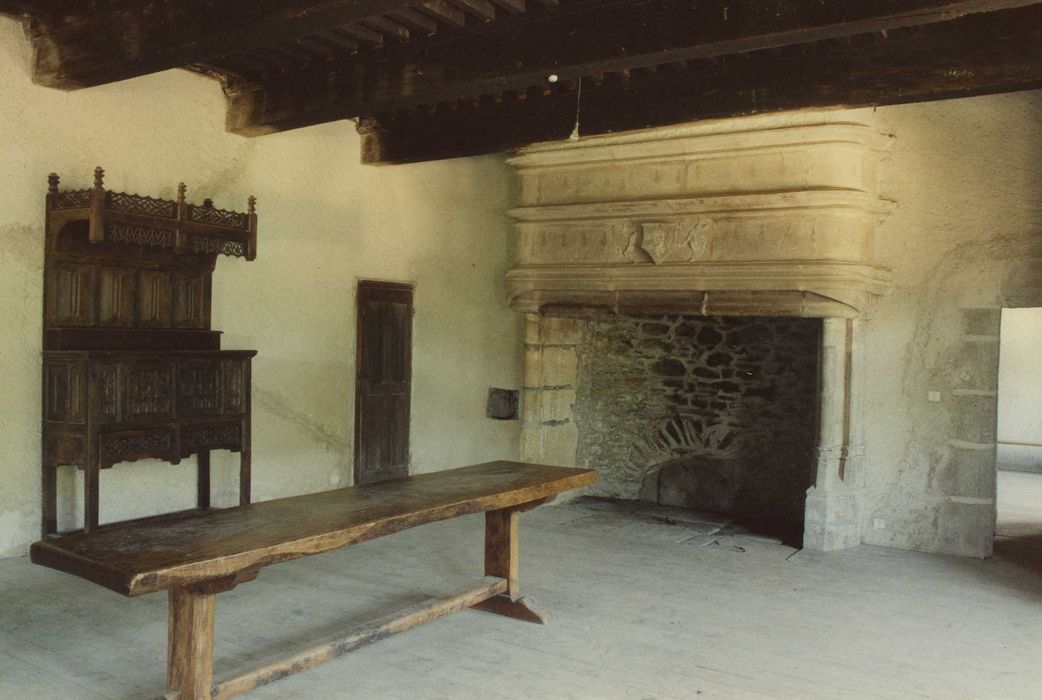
x=325 y=222
x=965 y=240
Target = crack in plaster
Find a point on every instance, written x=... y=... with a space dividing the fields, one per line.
x=280 y=407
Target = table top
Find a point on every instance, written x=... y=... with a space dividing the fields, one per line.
x=138 y=557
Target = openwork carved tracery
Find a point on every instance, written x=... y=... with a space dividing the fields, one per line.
x=133 y=219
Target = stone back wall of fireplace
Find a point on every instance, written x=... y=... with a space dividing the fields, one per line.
x=713 y=413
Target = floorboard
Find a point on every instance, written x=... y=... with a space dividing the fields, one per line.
x=640 y=610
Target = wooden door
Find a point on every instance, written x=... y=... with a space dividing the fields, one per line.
x=383 y=381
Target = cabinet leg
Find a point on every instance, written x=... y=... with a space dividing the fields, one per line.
x=203 y=480
x=91 y=484
x=50 y=498
x=244 y=476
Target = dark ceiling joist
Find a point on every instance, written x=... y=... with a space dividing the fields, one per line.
x=104 y=42
x=997 y=52
x=582 y=38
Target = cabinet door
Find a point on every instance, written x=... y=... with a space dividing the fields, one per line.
x=149 y=391
x=198 y=388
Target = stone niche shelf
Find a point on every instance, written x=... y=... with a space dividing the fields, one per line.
x=764 y=216
x=779 y=219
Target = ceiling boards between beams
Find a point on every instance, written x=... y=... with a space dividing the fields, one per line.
x=447 y=78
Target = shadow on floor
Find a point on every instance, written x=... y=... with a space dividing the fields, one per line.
x=1024 y=550
x=1018 y=530
x=700 y=527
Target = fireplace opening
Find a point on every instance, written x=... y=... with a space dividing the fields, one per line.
x=712 y=414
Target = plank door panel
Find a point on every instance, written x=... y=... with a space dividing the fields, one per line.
x=383 y=381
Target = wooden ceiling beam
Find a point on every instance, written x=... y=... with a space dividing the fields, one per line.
x=583 y=39
x=339 y=40
x=38 y=8
x=974 y=55
x=511 y=5
x=445 y=12
x=362 y=34
x=416 y=20
x=389 y=27
x=105 y=42
x=483 y=9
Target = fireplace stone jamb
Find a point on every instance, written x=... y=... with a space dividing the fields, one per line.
x=832 y=517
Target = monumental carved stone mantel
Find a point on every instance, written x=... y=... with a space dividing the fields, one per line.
x=768 y=216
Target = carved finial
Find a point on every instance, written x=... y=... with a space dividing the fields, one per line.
x=99 y=176
x=52 y=182
x=252 y=204
x=208 y=203
x=181 y=190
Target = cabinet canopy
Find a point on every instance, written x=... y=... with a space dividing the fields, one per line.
x=173 y=225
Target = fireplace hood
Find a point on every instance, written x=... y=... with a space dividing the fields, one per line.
x=771 y=215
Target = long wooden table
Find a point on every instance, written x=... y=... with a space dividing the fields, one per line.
x=197 y=556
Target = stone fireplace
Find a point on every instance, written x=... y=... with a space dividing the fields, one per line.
x=692 y=300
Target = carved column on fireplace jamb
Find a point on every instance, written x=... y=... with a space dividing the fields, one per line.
x=833 y=518
x=548 y=431
x=531 y=393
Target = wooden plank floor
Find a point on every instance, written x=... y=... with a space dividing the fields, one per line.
x=640 y=609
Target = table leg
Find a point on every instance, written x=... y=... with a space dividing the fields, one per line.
x=501 y=559
x=189 y=661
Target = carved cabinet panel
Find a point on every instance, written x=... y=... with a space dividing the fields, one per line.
x=70 y=297
x=191 y=301
x=153 y=302
x=65 y=391
x=117 y=290
x=108 y=392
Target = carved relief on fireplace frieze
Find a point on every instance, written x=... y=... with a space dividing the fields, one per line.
x=579 y=242
x=830 y=236
x=673 y=241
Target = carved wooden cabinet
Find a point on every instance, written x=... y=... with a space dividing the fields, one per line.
x=131 y=367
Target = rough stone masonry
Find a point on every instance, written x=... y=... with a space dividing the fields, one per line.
x=713 y=413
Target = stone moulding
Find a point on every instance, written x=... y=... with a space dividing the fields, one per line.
x=767 y=132
x=773 y=218
x=789 y=288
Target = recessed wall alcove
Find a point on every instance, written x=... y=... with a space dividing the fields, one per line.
x=668 y=277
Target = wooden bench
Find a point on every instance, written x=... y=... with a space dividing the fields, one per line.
x=194 y=557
